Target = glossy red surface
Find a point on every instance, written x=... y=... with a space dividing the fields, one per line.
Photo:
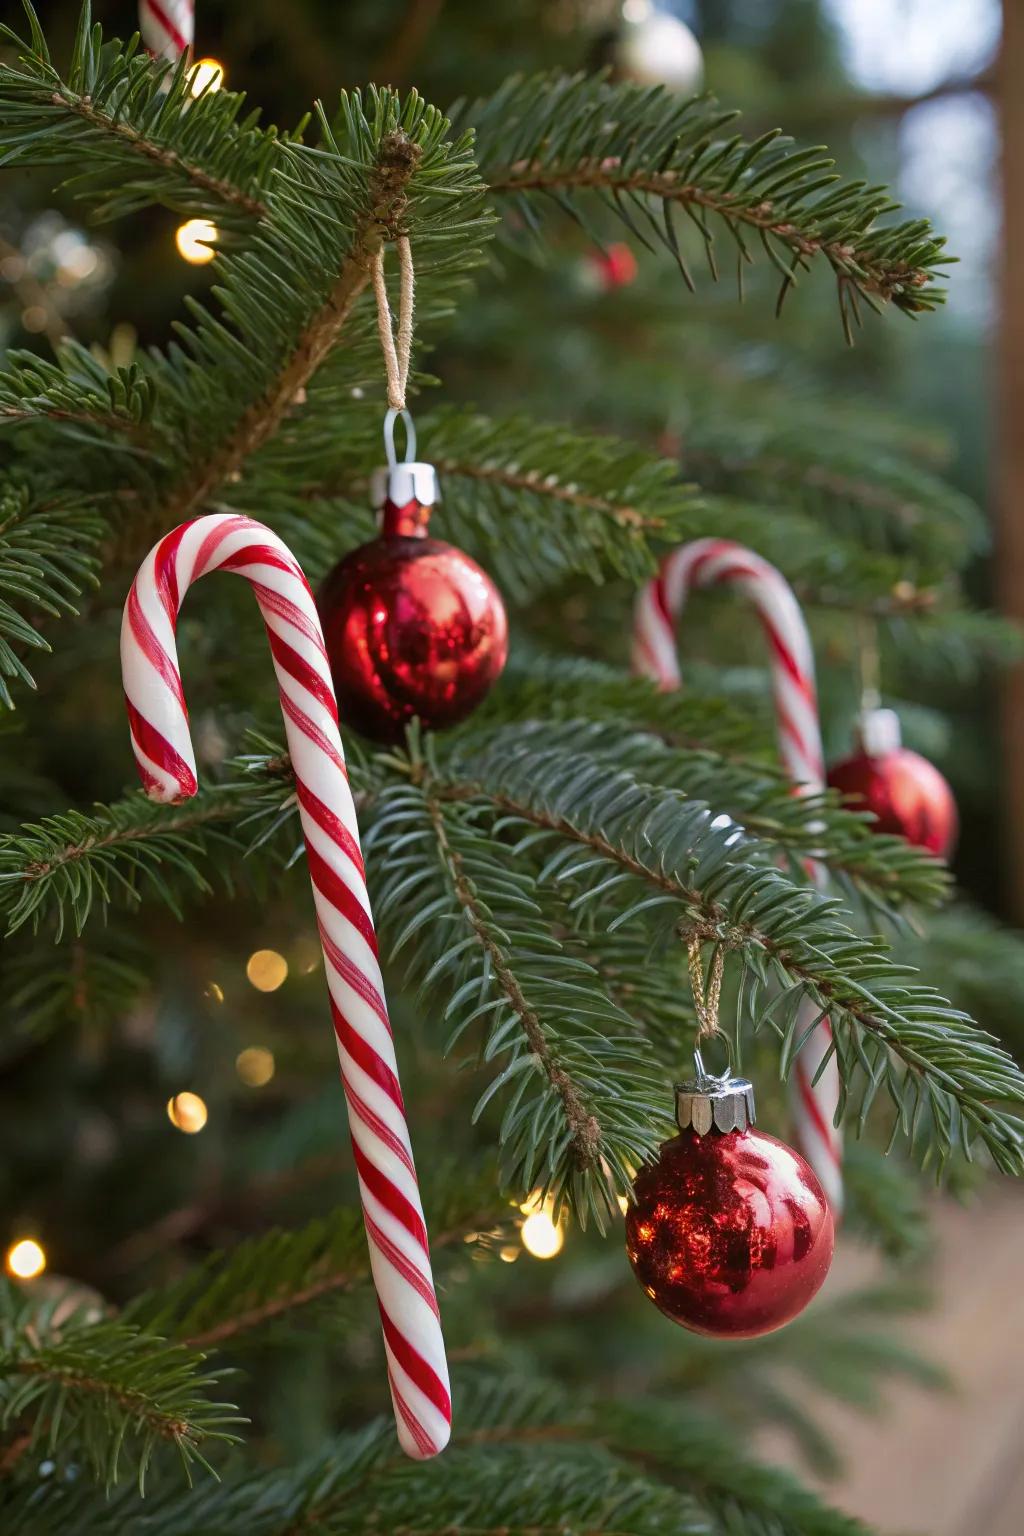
x=907 y=793
x=413 y=627
x=731 y=1234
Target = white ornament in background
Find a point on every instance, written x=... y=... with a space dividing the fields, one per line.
x=656 y=48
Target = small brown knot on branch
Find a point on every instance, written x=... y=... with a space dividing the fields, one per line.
x=397 y=158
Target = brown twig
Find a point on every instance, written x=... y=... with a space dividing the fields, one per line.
x=225 y=190
x=598 y=175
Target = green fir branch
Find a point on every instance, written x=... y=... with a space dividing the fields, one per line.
x=104 y=1390
x=131 y=131
x=644 y=155
x=635 y=851
x=48 y=554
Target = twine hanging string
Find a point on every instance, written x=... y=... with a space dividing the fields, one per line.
x=706 y=998
x=395 y=345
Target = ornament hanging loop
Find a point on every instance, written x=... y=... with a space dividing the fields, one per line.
x=394 y=414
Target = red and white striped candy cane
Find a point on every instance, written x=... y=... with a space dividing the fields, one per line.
x=397 y=1236
x=717 y=562
x=167 y=27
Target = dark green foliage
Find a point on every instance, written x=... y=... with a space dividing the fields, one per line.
x=536 y=876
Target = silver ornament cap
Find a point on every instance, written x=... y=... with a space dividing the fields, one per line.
x=878 y=732
x=715 y=1104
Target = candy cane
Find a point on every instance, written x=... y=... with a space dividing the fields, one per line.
x=717 y=562
x=397 y=1237
x=167 y=27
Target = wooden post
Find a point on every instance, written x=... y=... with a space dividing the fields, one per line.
x=1009 y=479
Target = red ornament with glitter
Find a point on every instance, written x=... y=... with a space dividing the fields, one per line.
x=906 y=793
x=730 y=1234
x=414 y=628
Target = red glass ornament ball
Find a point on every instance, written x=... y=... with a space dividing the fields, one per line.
x=413 y=628
x=907 y=794
x=730 y=1234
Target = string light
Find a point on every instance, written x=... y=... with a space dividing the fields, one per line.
x=187 y=1112
x=255 y=1066
x=540 y=1234
x=207 y=75
x=25 y=1259
x=195 y=240
x=267 y=970
x=509 y=1255
x=215 y=992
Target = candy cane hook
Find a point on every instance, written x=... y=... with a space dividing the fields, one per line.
x=717 y=562
x=395 y=1231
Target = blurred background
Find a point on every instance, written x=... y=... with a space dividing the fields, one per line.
x=909 y=93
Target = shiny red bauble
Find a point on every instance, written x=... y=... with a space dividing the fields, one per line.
x=414 y=629
x=731 y=1234
x=907 y=794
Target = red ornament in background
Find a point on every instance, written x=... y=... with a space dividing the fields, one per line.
x=614 y=267
x=907 y=794
x=730 y=1234
x=414 y=628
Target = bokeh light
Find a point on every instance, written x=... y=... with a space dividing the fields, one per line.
x=206 y=75
x=195 y=240
x=187 y=1112
x=255 y=1066
x=267 y=970
x=25 y=1259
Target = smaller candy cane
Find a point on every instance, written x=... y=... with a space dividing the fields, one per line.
x=395 y=1231
x=717 y=562
x=167 y=27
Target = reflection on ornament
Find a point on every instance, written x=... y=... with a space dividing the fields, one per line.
x=207 y=75
x=195 y=240
x=656 y=48
x=267 y=970
x=187 y=1112
x=255 y=1066
x=25 y=1259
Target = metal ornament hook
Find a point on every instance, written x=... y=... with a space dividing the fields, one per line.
x=703 y=1075
x=389 y=437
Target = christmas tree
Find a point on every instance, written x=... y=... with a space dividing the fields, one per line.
x=560 y=882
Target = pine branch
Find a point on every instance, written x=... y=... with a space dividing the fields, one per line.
x=47 y=555
x=643 y=155
x=100 y=1386
x=649 y=852
x=131 y=129
x=271 y=1277
x=68 y=865
x=584 y=1106
x=77 y=395
x=885 y=872
x=665 y=1439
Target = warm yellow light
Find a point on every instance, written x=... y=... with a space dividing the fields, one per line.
x=508 y=1255
x=195 y=239
x=623 y=1203
x=255 y=1065
x=25 y=1259
x=206 y=75
x=540 y=1236
x=188 y=1112
x=267 y=970
x=215 y=992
